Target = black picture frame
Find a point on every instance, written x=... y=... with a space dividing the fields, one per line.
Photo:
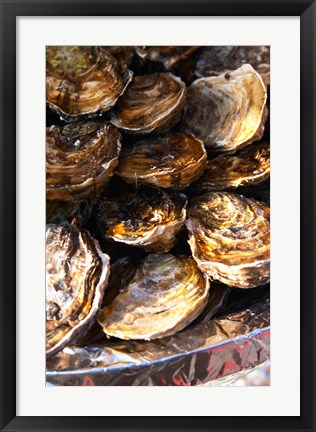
x=9 y=11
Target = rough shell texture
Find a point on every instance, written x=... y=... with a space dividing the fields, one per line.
x=124 y=54
x=216 y=60
x=80 y=159
x=63 y=212
x=83 y=80
x=228 y=111
x=168 y=55
x=174 y=160
x=248 y=166
x=230 y=238
x=152 y=103
x=166 y=294
x=76 y=277
x=146 y=217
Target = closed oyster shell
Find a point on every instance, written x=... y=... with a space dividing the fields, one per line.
x=152 y=103
x=216 y=60
x=168 y=55
x=63 y=212
x=166 y=294
x=174 y=160
x=227 y=171
x=227 y=111
x=230 y=238
x=76 y=277
x=80 y=159
x=145 y=217
x=83 y=80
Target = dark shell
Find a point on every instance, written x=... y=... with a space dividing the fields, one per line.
x=63 y=212
x=145 y=217
x=165 y=295
x=80 y=159
x=152 y=103
x=168 y=55
x=228 y=111
x=83 y=80
x=230 y=238
x=174 y=160
x=76 y=277
x=216 y=60
x=124 y=54
x=249 y=166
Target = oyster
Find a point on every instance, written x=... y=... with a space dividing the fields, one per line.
x=152 y=103
x=83 y=80
x=215 y=60
x=230 y=238
x=227 y=171
x=166 y=294
x=228 y=111
x=174 y=160
x=76 y=277
x=63 y=212
x=146 y=217
x=168 y=55
x=121 y=272
x=80 y=159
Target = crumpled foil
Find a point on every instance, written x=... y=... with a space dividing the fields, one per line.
x=215 y=348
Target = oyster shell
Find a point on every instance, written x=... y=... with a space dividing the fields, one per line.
x=152 y=103
x=168 y=55
x=124 y=54
x=227 y=111
x=230 y=238
x=216 y=60
x=83 y=80
x=227 y=171
x=63 y=212
x=166 y=294
x=76 y=277
x=174 y=160
x=80 y=159
x=146 y=217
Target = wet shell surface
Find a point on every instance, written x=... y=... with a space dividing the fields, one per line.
x=168 y=55
x=76 y=277
x=145 y=217
x=216 y=60
x=230 y=238
x=83 y=80
x=227 y=111
x=80 y=159
x=228 y=171
x=166 y=294
x=174 y=160
x=151 y=104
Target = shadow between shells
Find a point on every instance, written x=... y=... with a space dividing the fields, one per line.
x=157 y=209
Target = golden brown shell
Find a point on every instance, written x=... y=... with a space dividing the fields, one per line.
x=145 y=217
x=76 y=277
x=227 y=111
x=151 y=104
x=80 y=159
x=230 y=238
x=174 y=160
x=227 y=171
x=166 y=294
x=83 y=80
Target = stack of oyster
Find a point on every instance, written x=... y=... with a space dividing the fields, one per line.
x=153 y=157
